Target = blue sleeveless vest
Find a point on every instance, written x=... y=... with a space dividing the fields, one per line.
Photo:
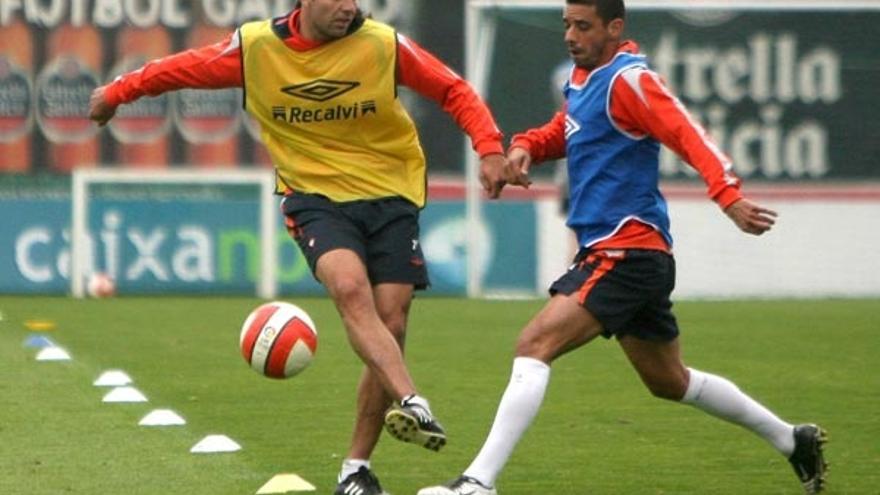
x=613 y=176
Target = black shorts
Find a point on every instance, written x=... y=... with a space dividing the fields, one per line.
x=383 y=232
x=626 y=290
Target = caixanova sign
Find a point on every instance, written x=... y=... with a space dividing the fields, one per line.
x=211 y=245
x=145 y=251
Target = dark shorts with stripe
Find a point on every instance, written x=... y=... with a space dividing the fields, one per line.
x=383 y=232
x=626 y=290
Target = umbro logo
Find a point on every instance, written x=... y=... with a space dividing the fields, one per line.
x=571 y=126
x=320 y=89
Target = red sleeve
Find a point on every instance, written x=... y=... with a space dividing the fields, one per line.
x=431 y=78
x=546 y=142
x=211 y=67
x=642 y=105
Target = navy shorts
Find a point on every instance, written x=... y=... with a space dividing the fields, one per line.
x=383 y=232
x=626 y=290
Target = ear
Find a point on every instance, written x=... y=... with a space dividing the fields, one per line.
x=615 y=28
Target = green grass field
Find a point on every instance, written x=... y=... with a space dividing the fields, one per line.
x=599 y=432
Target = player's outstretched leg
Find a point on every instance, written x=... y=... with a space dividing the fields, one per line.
x=808 y=459
x=361 y=482
x=463 y=485
x=412 y=421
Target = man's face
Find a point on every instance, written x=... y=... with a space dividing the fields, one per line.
x=329 y=19
x=590 y=42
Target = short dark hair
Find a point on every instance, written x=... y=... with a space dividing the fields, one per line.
x=607 y=10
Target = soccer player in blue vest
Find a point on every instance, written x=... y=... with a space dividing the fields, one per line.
x=617 y=113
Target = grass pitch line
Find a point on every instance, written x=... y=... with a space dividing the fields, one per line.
x=284 y=483
x=124 y=394
x=213 y=444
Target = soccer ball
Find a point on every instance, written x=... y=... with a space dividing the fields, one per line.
x=101 y=285
x=278 y=339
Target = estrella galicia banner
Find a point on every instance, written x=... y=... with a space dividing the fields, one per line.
x=788 y=95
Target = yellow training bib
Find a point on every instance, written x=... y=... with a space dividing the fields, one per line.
x=330 y=116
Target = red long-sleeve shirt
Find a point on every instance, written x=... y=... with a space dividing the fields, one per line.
x=219 y=66
x=641 y=105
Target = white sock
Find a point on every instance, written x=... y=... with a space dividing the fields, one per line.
x=721 y=398
x=417 y=400
x=517 y=409
x=351 y=466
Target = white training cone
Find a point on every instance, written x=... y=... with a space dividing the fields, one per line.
x=112 y=378
x=53 y=353
x=125 y=394
x=162 y=417
x=215 y=443
x=283 y=483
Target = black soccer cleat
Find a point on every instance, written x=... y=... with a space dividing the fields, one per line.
x=463 y=485
x=413 y=423
x=361 y=482
x=808 y=459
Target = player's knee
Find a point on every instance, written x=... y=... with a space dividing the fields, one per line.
x=347 y=290
x=394 y=313
x=667 y=388
x=536 y=345
x=525 y=347
x=396 y=323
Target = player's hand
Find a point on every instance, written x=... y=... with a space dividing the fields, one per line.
x=751 y=218
x=492 y=174
x=99 y=110
x=519 y=160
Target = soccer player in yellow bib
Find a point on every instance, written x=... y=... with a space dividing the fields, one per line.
x=322 y=83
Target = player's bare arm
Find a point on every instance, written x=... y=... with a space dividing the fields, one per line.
x=99 y=109
x=750 y=217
